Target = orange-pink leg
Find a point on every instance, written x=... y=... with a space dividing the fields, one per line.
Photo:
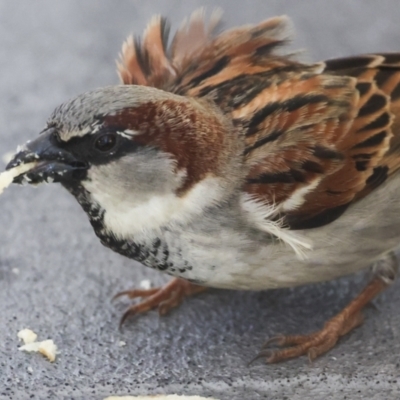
x=315 y=344
x=164 y=297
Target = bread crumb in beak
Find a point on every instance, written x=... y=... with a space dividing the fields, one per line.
x=7 y=177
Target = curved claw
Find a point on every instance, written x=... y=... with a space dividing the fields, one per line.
x=320 y=342
x=127 y=314
x=261 y=354
x=164 y=298
x=277 y=340
x=120 y=294
x=132 y=294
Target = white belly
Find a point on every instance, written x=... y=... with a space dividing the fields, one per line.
x=366 y=231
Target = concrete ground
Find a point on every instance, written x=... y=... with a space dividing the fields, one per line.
x=57 y=279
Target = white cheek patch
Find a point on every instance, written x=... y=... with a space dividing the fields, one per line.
x=129 y=216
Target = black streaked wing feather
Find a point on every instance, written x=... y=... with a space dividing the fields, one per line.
x=323 y=127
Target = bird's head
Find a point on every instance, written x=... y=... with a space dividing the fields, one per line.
x=138 y=154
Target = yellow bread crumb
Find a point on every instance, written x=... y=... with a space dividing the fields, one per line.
x=27 y=336
x=45 y=347
x=7 y=177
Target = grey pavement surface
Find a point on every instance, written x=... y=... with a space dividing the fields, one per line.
x=51 y=50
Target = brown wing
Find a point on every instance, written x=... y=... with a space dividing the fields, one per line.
x=196 y=59
x=361 y=129
x=371 y=145
x=381 y=71
x=318 y=137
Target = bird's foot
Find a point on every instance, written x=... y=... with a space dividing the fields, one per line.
x=315 y=344
x=164 y=297
x=312 y=345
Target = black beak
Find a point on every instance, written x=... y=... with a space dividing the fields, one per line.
x=53 y=162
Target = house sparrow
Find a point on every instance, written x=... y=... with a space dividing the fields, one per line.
x=226 y=163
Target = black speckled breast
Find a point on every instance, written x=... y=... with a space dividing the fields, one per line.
x=154 y=255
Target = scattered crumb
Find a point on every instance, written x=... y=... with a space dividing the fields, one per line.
x=30 y=347
x=145 y=284
x=27 y=336
x=121 y=343
x=7 y=177
x=30 y=370
x=46 y=347
x=7 y=157
x=15 y=271
x=159 y=397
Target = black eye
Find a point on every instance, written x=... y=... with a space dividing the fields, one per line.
x=106 y=142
